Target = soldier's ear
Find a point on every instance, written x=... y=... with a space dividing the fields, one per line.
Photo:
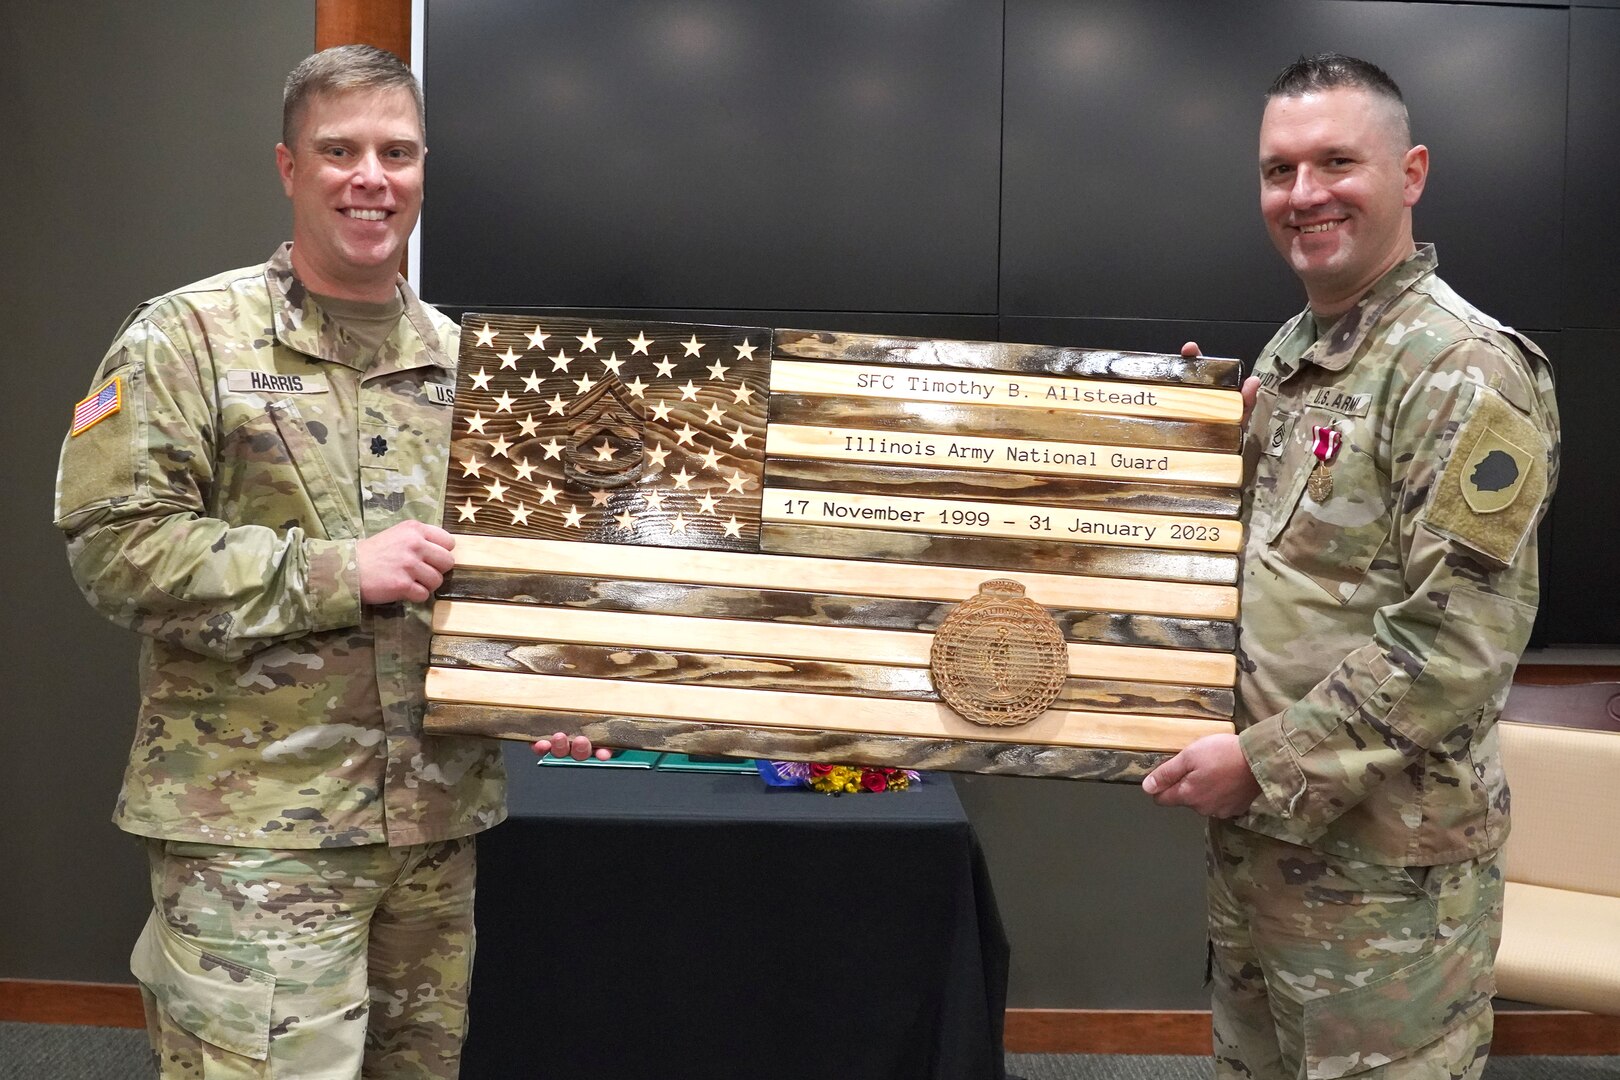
x=1416 y=166
x=284 y=166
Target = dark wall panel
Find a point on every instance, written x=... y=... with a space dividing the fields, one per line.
x=833 y=156
x=1591 y=266
x=908 y=324
x=1130 y=179
x=1582 y=586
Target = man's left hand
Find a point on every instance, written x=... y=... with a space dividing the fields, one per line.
x=1210 y=776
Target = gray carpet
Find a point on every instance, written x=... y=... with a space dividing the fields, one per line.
x=59 y=1052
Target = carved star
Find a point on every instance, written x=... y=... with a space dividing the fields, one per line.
x=548 y=494
x=524 y=469
x=711 y=459
x=686 y=434
x=733 y=527
x=509 y=358
x=476 y=422
x=636 y=387
x=480 y=381
x=626 y=520
x=677 y=524
x=717 y=370
x=584 y=382
x=588 y=340
x=692 y=347
x=561 y=361
x=715 y=413
x=706 y=503
x=735 y=482
x=655 y=499
x=640 y=341
x=742 y=395
x=572 y=517
x=520 y=514
x=604 y=450
x=537 y=340
x=500 y=446
x=661 y=410
x=471 y=466
x=497 y=491
x=531 y=382
x=689 y=391
x=467 y=511
x=657 y=454
x=529 y=424
x=553 y=448
x=504 y=402
x=739 y=437
x=745 y=351
x=613 y=363
x=486 y=336
x=683 y=480
x=600 y=498
x=555 y=404
x=666 y=368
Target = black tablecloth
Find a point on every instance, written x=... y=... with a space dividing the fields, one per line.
x=636 y=923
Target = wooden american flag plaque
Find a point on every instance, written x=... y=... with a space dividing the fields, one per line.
x=737 y=540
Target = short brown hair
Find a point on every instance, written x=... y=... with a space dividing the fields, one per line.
x=1331 y=71
x=344 y=67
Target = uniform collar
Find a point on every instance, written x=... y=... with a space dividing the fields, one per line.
x=1343 y=342
x=301 y=325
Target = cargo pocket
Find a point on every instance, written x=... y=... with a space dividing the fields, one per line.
x=1352 y=1032
x=219 y=1001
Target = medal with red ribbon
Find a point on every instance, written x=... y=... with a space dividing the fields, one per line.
x=1325 y=447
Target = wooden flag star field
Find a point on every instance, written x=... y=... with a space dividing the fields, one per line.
x=834 y=547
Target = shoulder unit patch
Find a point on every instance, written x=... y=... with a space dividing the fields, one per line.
x=1493 y=483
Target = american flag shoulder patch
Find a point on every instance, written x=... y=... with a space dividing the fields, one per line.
x=103 y=401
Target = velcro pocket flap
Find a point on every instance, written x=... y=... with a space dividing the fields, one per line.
x=218 y=1000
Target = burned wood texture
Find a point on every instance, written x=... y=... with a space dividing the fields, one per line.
x=1009 y=357
x=1063 y=425
x=813 y=608
x=802 y=676
x=787 y=744
x=1049 y=556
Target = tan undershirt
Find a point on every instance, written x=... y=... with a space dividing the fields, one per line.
x=368 y=323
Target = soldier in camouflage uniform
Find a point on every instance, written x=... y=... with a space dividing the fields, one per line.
x=249 y=486
x=1403 y=447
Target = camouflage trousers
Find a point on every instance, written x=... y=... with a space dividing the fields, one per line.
x=1326 y=967
x=320 y=964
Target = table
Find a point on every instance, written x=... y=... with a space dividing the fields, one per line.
x=645 y=924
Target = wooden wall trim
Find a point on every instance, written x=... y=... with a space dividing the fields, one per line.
x=1029 y=1031
x=1125 y=1031
x=383 y=23
x=87 y=1004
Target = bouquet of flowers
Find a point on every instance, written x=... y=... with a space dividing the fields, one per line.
x=837 y=779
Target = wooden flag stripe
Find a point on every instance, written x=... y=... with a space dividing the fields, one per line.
x=1006 y=356
x=1003 y=455
x=804 y=676
x=1005 y=558
x=812 y=608
x=1015 y=391
x=725 y=705
x=963 y=517
x=797 y=744
x=474 y=618
x=862 y=577
x=1128 y=495
x=1057 y=425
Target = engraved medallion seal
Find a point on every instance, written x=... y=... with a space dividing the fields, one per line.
x=999 y=659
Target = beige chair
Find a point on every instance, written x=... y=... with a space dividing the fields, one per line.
x=1561 y=918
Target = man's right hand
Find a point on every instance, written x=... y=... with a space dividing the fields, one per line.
x=1251 y=385
x=404 y=562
